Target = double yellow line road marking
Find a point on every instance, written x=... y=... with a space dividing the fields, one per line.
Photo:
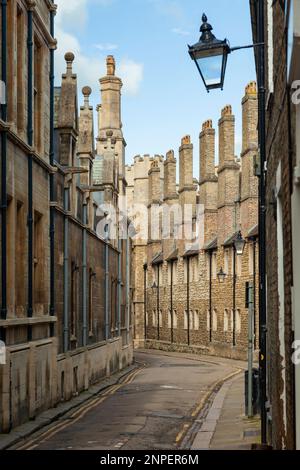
x=204 y=400
x=79 y=413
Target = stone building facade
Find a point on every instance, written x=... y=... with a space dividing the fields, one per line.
x=282 y=30
x=61 y=332
x=178 y=301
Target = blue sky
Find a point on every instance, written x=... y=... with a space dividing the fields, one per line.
x=163 y=97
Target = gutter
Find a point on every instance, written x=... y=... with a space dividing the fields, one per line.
x=30 y=169
x=119 y=285
x=3 y=314
x=52 y=187
x=66 y=270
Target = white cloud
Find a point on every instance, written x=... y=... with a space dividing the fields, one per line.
x=89 y=68
x=180 y=31
x=71 y=13
x=106 y=47
x=132 y=75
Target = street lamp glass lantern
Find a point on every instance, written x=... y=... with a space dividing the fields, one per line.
x=210 y=56
x=221 y=276
x=239 y=244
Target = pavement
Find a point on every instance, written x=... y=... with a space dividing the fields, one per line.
x=225 y=426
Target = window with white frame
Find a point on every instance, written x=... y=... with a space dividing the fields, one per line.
x=226 y=320
x=169 y=319
x=185 y=322
x=231 y=320
x=214 y=265
x=154 y=318
x=207 y=258
x=191 y=318
x=185 y=267
x=161 y=274
x=226 y=261
x=175 y=319
x=215 y=320
x=239 y=265
x=196 y=320
x=251 y=259
x=208 y=320
x=238 y=322
x=170 y=267
x=160 y=319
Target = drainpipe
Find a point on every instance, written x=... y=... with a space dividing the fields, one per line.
x=84 y=272
x=210 y=296
x=66 y=265
x=145 y=302
x=188 y=299
x=30 y=165
x=119 y=285
x=158 y=334
x=171 y=303
x=128 y=287
x=234 y=299
x=3 y=169
x=52 y=192
x=254 y=292
x=107 y=336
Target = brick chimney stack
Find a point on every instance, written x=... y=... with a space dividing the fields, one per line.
x=187 y=193
x=226 y=136
x=228 y=178
x=208 y=194
x=207 y=151
x=86 y=152
x=170 y=176
x=249 y=186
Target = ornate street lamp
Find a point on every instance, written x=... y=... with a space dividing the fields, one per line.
x=239 y=244
x=221 y=276
x=210 y=56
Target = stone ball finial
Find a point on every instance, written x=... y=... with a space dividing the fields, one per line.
x=86 y=91
x=110 y=65
x=226 y=111
x=69 y=57
x=186 y=140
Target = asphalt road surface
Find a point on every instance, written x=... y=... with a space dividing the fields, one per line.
x=154 y=409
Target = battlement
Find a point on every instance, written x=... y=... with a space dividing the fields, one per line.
x=147 y=158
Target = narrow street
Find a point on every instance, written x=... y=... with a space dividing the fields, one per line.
x=153 y=409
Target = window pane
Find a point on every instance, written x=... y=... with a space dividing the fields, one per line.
x=211 y=68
